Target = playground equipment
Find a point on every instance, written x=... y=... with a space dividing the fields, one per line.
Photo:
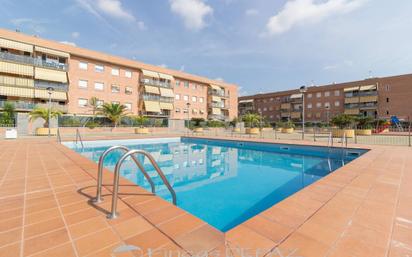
x=395 y=121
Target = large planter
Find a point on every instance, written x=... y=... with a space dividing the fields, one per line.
x=278 y=129
x=267 y=129
x=236 y=129
x=141 y=131
x=363 y=132
x=288 y=130
x=198 y=130
x=252 y=130
x=45 y=131
x=340 y=132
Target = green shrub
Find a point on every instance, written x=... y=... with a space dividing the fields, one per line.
x=343 y=121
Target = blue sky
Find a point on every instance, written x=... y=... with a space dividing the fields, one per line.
x=261 y=45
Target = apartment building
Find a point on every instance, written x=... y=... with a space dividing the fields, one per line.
x=32 y=69
x=376 y=97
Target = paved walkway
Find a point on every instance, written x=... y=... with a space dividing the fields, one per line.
x=363 y=209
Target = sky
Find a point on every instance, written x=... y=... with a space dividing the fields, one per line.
x=260 y=45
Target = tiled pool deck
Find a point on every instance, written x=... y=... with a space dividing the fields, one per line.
x=362 y=209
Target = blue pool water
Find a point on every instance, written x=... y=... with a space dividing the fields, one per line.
x=225 y=182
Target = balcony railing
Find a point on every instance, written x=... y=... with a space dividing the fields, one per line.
x=32 y=61
x=361 y=93
x=217 y=117
x=361 y=106
x=221 y=105
x=28 y=106
x=54 y=85
x=156 y=83
x=217 y=93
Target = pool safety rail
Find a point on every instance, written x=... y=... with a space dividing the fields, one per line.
x=79 y=138
x=115 y=192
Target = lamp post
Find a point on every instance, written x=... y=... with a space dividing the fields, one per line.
x=50 y=92
x=303 y=90
x=188 y=117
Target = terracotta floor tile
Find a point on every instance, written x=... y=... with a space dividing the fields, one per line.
x=86 y=227
x=151 y=239
x=11 y=223
x=203 y=239
x=45 y=241
x=10 y=236
x=353 y=247
x=165 y=214
x=82 y=215
x=42 y=216
x=65 y=250
x=10 y=250
x=96 y=241
x=245 y=238
x=303 y=245
x=133 y=226
x=324 y=234
x=270 y=229
x=181 y=225
x=43 y=227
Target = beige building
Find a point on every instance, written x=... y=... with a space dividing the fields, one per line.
x=29 y=65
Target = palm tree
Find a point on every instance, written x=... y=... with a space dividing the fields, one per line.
x=114 y=112
x=251 y=119
x=43 y=113
x=94 y=106
x=141 y=120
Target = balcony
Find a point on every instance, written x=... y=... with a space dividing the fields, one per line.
x=221 y=105
x=217 y=117
x=28 y=106
x=352 y=111
x=217 y=93
x=361 y=93
x=285 y=106
x=55 y=85
x=156 y=83
x=32 y=61
x=361 y=106
x=295 y=115
x=149 y=97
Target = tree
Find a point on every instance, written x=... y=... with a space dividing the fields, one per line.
x=94 y=106
x=43 y=113
x=8 y=115
x=364 y=122
x=141 y=120
x=251 y=120
x=114 y=112
x=342 y=121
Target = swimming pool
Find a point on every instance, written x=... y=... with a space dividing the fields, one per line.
x=224 y=182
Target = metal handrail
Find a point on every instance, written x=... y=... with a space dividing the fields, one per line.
x=113 y=213
x=79 y=138
x=98 y=198
x=59 y=138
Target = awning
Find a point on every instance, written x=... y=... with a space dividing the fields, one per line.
x=215 y=87
x=366 y=88
x=56 y=95
x=51 y=75
x=216 y=111
x=16 y=81
x=246 y=101
x=5 y=43
x=16 y=91
x=152 y=106
x=216 y=99
x=348 y=89
x=166 y=92
x=166 y=106
x=152 y=90
x=149 y=73
x=51 y=51
x=165 y=76
x=13 y=68
x=294 y=96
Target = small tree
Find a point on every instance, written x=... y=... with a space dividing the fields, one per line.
x=342 y=121
x=114 y=112
x=94 y=106
x=141 y=120
x=8 y=115
x=43 y=113
x=364 y=122
x=251 y=120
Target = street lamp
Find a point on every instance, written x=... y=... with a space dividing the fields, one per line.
x=50 y=92
x=303 y=90
x=188 y=117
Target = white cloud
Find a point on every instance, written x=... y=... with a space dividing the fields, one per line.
x=193 y=12
x=298 y=12
x=112 y=8
x=251 y=12
x=68 y=43
x=75 y=34
x=163 y=65
x=32 y=25
x=219 y=79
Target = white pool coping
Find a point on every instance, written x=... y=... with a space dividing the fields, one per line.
x=103 y=143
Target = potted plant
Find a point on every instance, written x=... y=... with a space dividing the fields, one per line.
x=114 y=112
x=251 y=121
x=343 y=123
x=141 y=121
x=196 y=124
x=288 y=127
x=279 y=126
x=234 y=123
x=8 y=115
x=43 y=113
x=266 y=125
x=364 y=126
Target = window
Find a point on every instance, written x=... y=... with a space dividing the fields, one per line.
x=128 y=106
x=83 y=65
x=271 y=99
x=115 y=89
x=185 y=110
x=194 y=99
x=98 y=68
x=82 y=102
x=337 y=92
x=201 y=111
x=177 y=110
x=318 y=95
x=387 y=88
x=387 y=112
x=186 y=97
x=327 y=105
x=200 y=99
x=177 y=83
x=177 y=97
x=186 y=84
x=99 y=102
x=387 y=99
x=309 y=95
x=128 y=90
x=82 y=83
x=265 y=109
x=98 y=86
x=309 y=106
x=115 y=72
x=128 y=74
x=337 y=103
x=115 y=102
x=327 y=93
x=194 y=86
x=318 y=105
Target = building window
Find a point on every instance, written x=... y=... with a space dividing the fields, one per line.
x=83 y=65
x=327 y=93
x=194 y=99
x=186 y=97
x=177 y=110
x=327 y=105
x=318 y=95
x=83 y=83
x=128 y=74
x=337 y=92
x=82 y=102
x=387 y=99
x=387 y=87
x=115 y=89
x=128 y=90
x=177 y=97
x=271 y=99
x=309 y=106
x=177 y=83
x=186 y=84
x=309 y=95
x=128 y=106
x=99 y=103
x=99 y=68
x=201 y=112
x=115 y=72
x=98 y=86
x=115 y=102
x=194 y=86
x=265 y=109
x=337 y=103
x=318 y=105
x=200 y=99
x=387 y=112
x=185 y=110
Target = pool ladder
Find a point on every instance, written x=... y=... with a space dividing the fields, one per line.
x=127 y=153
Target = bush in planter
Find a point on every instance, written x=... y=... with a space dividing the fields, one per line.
x=8 y=115
x=364 y=122
x=251 y=120
x=215 y=124
x=343 y=121
x=92 y=124
x=114 y=112
x=43 y=113
x=140 y=121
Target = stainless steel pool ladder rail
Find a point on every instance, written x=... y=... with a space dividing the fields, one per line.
x=79 y=138
x=59 y=138
x=113 y=214
x=98 y=198
x=330 y=142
